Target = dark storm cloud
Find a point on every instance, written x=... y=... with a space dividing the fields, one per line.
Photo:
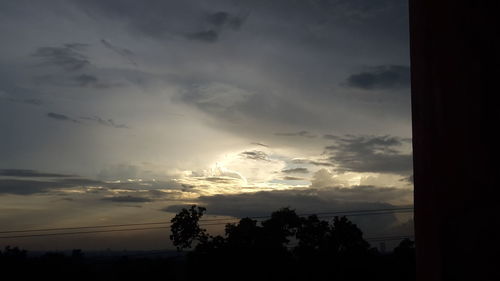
x=255 y=155
x=169 y=19
x=376 y=154
x=26 y=182
x=264 y=202
x=61 y=117
x=68 y=56
x=127 y=199
x=296 y=171
x=24 y=187
x=30 y=173
x=381 y=77
x=158 y=17
x=305 y=202
x=105 y=122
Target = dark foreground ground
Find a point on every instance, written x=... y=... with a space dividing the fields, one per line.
x=15 y=264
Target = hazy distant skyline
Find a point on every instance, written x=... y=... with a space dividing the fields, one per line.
x=123 y=111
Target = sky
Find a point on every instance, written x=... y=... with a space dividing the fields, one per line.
x=126 y=111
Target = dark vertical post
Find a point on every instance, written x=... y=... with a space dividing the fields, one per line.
x=454 y=62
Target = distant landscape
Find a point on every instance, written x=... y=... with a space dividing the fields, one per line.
x=283 y=247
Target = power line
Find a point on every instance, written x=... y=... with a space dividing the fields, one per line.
x=388 y=238
x=80 y=227
x=82 y=232
x=373 y=239
x=324 y=214
x=216 y=222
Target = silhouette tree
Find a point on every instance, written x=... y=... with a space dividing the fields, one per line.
x=347 y=238
x=13 y=253
x=283 y=224
x=313 y=235
x=250 y=250
x=185 y=228
x=244 y=235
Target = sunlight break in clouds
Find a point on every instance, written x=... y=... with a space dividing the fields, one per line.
x=116 y=111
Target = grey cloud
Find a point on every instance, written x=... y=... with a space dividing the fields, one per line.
x=260 y=144
x=296 y=171
x=31 y=173
x=123 y=52
x=224 y=180
x=68 y=57
x=106 y=122
x=168 y=19
x=75 y=182
x=127 y=199
x=159 y=17
x=86 y=80
x=30 y=101
x=305 y=134
x=331 y=137
x=95 y=119
x=255 y=155
x=408 y=179
x=221 y=19
x=209 y=36
x=61 y=117
x=119 y=172
x=218 y=22
x=83 y=80
x=321 y=163
x=153 y=19
x=288 y=178
x=313 y=162
x=377 y=154
x=381 y=77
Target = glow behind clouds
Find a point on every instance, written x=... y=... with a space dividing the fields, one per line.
x=115 y=111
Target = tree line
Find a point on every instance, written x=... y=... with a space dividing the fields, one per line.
x=287 y=247
x=283 y=247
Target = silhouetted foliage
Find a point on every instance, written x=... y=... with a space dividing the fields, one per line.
x=13 y=253
x=287 y=247
x=283 y=247
x=185 y=228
